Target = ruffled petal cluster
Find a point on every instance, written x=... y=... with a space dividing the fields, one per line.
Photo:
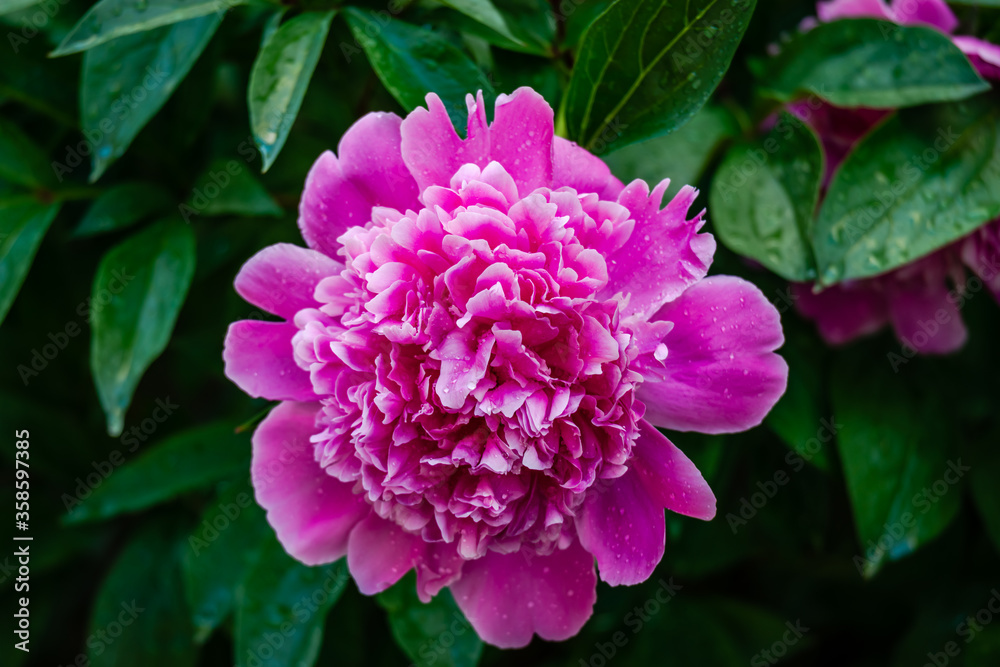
x=475 y=350
x=922 y=299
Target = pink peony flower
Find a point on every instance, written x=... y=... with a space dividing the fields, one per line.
x=476 y=349
x=921 y=299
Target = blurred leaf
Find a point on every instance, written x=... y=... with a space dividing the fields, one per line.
x=126 y=81
x=110 y=19
x=21 y=161
x=484 y=12
x=427 y=632
x=644 y=68
x=121 y=206
x=154 y=268
x=899 y=470
x=220 y=553
x=798 y=418
x=281 y=609
x=412 y=62
x=530 y=26
x=184 y=462
x=682 y=156
x=920 y=180
x=280 y=77
x=985 y=463
x=14 y=5
x=872 y=63
x=764 y=196
x=23 y=223
x=140 y=617
x=228 y=187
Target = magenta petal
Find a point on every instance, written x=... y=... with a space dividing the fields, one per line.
x=841 y=9
x=624 y=528
x=440 y=566
x=259 y=360
x=934 y=13
x=281 y=278
x=844 y=312
x=370 y=155
x=670 y=478
x=665 y=253
x=379 y=553
x=431 y=148
x=509 y=597
x=581 y=170
x=984 y=56
x=330 y=205
x=311 y=512
x=721 y=374
x=521 y=138
x=924 y=316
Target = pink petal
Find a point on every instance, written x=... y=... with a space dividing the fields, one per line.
x=259 y=360
x=379 y=553
x=985 y=57
x=371 y=156
x=439 y=566
x=923 y=315
x=721 y=374
x=311 y=512
x=670 y=478
x=840 y=9
x=934 y=13
x=282 y=278
x=431 y=148
x=330 y=205
x=665 y=253
x=844 y=312
x=577 y=168
x=521 y=138
x=509 y=597
x=624 y=528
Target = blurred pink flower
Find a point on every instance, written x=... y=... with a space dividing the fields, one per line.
x=921 y=299
x=476 y=349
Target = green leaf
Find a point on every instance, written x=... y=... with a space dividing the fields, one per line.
x=920 y=180
x=21 y=161
x=418 y=627
x=985 y=463
x=412 y=62
x=122 y=206
x=681 y=156
x=645 y=67
x=228 y=188
x=280 y=77
x=181 y=463
x=281 y=608
x=872 y=63
x=7 y=6
x=900 y=472
x=486 y=13
x=220 y=553
x=111 y=19
x=764 y=197
x=23 y=223
x=154 y=269
x=140 y=617
x=126 y=81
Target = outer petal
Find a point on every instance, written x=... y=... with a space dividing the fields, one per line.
x=934 y=13
x=840 y=9
x=521 y=139
x=380 y=553
x=981 y=253
x=670 y=478
x=431 y=148
x=259 y=360
x=721 y=374
x=509 y=597
x=923 y=315
x=282 y=278
x=330 y=205
x=665 y=253
x=624 y=528
x=844 y=312
x=985 y=57
x=577 y=168
x=311 y=512
x=372 y=159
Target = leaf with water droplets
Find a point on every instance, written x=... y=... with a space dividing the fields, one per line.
x=919 y=181
x=280 y=78
x=764 y=196
x=110 y=19
x=871 y=63
x=645 y=67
